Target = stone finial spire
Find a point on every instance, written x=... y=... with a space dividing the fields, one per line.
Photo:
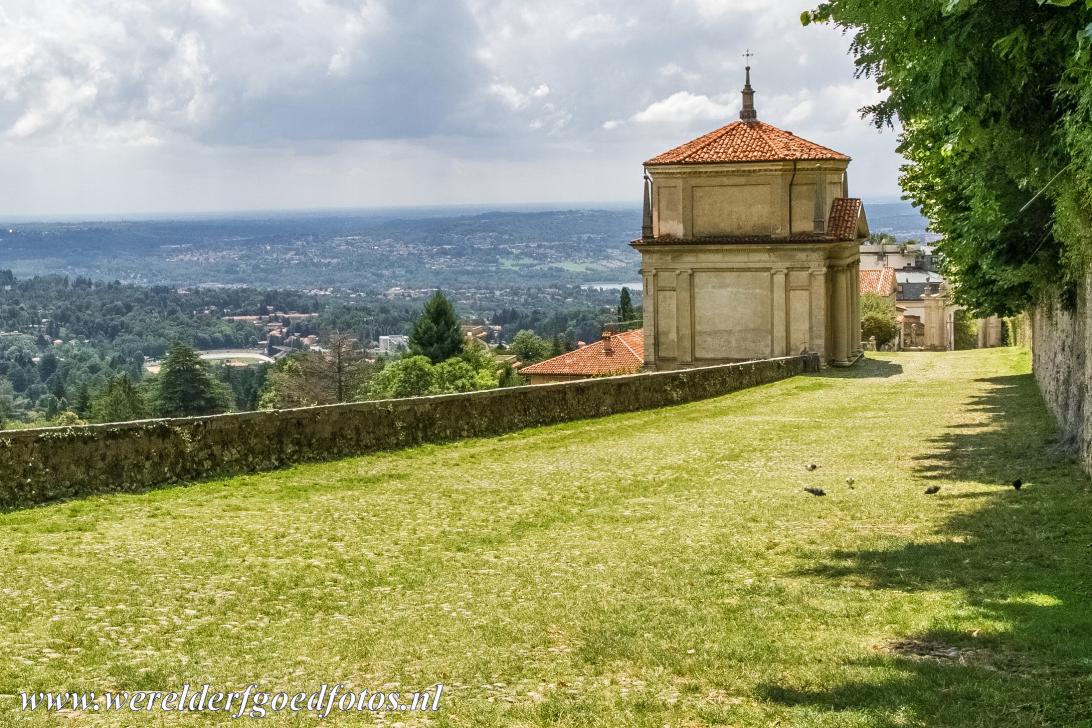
x=646 y=219
x=748 y=113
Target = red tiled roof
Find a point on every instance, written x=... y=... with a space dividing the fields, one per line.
x=845 y=213
x=746 y=141
x=880 y=282
x=627 y=357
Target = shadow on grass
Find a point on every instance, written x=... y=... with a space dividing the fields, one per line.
x=864 y=368
x=1019 y=651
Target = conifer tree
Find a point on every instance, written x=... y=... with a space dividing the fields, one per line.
x=119 y=401
x=436 y=332
x=626 y=311
x=185 y=388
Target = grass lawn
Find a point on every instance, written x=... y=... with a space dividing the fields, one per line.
x=650 y=569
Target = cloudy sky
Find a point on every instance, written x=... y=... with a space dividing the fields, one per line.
x=140 y=106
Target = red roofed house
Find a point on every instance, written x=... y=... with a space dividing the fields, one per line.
x=749 y=248
x=879 y=283
x=612 y=355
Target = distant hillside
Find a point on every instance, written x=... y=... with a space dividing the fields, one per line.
x=496 y=250
x=363 y=251
x=900 y=219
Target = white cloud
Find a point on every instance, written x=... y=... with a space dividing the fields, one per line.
x=505 y=82
x=683 y=107
x=514 y=98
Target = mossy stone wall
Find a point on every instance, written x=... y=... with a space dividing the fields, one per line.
x=1062 y=345
x=40 y=465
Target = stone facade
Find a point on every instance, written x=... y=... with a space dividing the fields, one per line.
x=63 y=462
x=709 y=303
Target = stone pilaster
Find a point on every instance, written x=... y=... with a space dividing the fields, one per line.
x=648 y=305
x=855 y=300
x=819 y=323
x=684 y=327
x=840 y=317
x=780 y=321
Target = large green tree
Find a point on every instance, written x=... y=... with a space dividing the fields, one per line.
x=530 y=347
x=118 y=401
x=185 y=387
x=411 y=376
x=436 y=333
x=995 y=102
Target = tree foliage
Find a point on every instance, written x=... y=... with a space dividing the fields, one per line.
x=311 y=378
x=185 y=387
x=413 y=376
x=410 y=376
x=965 y=330
x=530 y=347
x=878 y=318
x=626 y=312
x=995 y=101
x=436 y=333
x=7 y=402
x=118 y=401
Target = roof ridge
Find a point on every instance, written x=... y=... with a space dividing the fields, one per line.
x=622 y=336
x=766 y=130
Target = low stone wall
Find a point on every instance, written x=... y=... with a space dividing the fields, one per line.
x=1061 y=341
x=60 y=462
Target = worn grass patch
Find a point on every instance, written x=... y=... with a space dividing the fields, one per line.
x=649 y=569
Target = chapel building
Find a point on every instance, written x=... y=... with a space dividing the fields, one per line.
x=749 y=249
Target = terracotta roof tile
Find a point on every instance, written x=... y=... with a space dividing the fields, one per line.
x=743 y=141
x=845 y=213
x=627 y=357
x=879 y=282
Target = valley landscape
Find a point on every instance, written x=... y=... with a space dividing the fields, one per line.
x=315 y=411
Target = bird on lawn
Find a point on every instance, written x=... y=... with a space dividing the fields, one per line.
x=932 y=489
x=1018 y=484
x=850 y=481
x=815 y=491
x=810 y=466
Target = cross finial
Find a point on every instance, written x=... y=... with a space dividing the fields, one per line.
x=748 y=113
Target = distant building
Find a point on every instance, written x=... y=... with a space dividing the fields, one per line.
x=612 y=355
x=906 y=255
x=393 y=344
